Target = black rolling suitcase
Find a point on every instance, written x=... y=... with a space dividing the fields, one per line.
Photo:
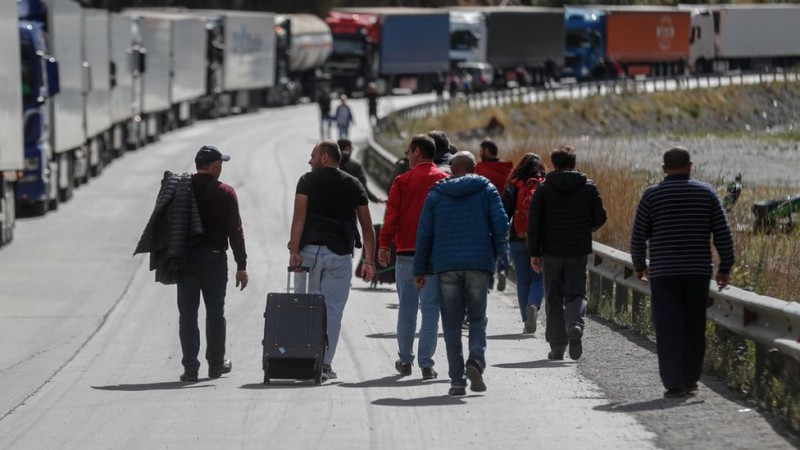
x=295 y=334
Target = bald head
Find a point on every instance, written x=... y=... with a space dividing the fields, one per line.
x=462 y=163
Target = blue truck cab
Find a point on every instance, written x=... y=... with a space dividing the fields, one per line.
x=585 y=43
x=39 y=84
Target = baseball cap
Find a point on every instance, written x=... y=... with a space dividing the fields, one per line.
x=208 y=154
x=677 y=157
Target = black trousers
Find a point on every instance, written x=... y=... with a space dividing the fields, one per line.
x=206 y=272
x=565 y=293
x=679 y=314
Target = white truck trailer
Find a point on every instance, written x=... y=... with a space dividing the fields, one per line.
x=743 y=37
x=12 y=150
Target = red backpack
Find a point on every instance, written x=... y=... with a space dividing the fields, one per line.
x=525 y=191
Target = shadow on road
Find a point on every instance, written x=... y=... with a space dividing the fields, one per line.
x=440 y=400
x=540 y=364
x=162 y=386
x=373 y=289
x=511 y=337
x=392 y=335
x=391 y=381
x=658 y=404
x=288 y=384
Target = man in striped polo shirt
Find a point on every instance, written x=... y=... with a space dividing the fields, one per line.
x=675 y=217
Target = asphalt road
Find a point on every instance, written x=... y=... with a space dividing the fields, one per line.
x=90 y=354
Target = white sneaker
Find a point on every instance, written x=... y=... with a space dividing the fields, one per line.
x=328 y=373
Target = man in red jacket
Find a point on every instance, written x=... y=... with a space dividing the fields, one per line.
x=497 y=172
x=403 y=210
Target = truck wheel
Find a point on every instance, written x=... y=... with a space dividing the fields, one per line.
x=40 y=208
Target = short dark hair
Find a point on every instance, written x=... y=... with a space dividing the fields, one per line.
x=330 y=148
x=489 y=144
x=344 y=143
x=425 y=143
x=563 y=157
x=677 y=158
x=440 y=139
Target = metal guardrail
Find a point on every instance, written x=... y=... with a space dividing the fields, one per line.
x=771 y=324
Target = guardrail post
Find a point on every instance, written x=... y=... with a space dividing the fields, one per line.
x=622 y=293
x=595 y=284
x=760 y=372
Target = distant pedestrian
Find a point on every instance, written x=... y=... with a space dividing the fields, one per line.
x=444 y=149
x=372 y=95
x=524 y=180
x=343 y=117
x=565 y=210
x=403 y=209
x=327 y=204
x=324 y=102
x=463 y=230
x=353 y=167
x=204 y=264
x=496 y=170
x=677 y=219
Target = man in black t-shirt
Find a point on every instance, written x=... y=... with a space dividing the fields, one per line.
x=324 y=233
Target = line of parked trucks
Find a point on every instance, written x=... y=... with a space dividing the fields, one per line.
x=80 y=86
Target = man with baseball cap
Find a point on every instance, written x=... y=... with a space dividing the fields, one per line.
x=206 y=266
x=675 y=219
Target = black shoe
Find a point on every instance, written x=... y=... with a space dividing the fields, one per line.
x=692 y=388
x=189 y=376
x=404 y=369
x=574 y=335
x=428 y=373
x=556 y=352
x=475 y=377
x=501 y=280
x=457 y=390
x=676 y=393
x=217 y=371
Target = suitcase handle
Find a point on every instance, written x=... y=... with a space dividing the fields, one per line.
x=296 y=269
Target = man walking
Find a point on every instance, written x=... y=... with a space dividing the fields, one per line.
x=565 y=210
x=324 y=233
x=206 y=267
x=463 y=261
x=343 y=117
x=497 y=172
x=324 y=102
x=676 y=217
x=354 y=168
x=403 y=209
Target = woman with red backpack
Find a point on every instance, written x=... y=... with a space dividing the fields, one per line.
x=522 y=183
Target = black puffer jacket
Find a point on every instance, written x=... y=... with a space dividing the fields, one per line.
x=175 y=222
x=565 y=210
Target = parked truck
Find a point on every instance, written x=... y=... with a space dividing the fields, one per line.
x=743 y=37
x=12 y=89
x=303 y=44
x=393 y=47
x=521 y=40
x=128 y=56
x=612 y=41
x=467 y=37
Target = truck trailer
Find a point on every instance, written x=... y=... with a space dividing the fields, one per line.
x=303 y=43
x=12 y=89
x=520 y=38
x=394 y=47
x=743 y=37
x=612 y=41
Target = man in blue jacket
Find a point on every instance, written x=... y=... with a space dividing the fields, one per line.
x=464 y=261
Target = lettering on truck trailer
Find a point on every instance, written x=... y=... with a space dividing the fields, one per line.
x=665 y=32
x=245 y=42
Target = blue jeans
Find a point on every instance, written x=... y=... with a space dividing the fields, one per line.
x=530 y=286
x=412 y=299
x=330 y=276
x=205 y=271
x=464 y=292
